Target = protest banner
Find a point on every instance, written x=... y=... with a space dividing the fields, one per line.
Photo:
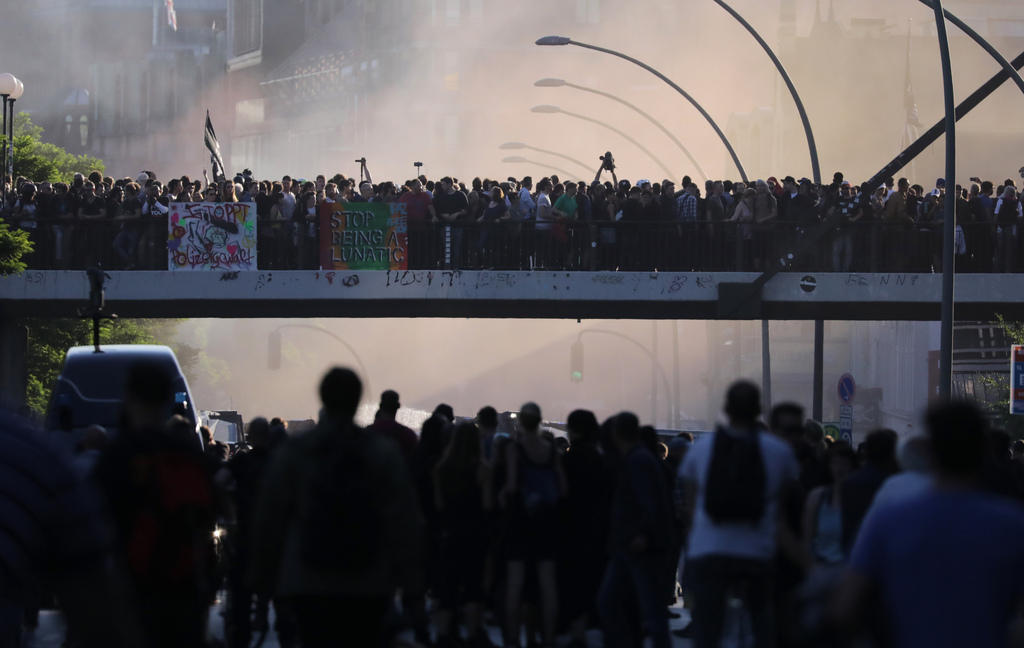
x=363 y=236
x=211 y=236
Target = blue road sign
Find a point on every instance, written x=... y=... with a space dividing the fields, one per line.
x=846 y=388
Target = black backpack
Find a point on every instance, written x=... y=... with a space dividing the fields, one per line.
x=735 y=491
x=342 y=526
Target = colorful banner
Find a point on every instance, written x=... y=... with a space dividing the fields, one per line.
x=364 y=236
x=211 y=236
x=1017 y=379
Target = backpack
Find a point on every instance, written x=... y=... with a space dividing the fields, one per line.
x=342 y=527
x=169 y=542
x=538 y=484
x=735 y=491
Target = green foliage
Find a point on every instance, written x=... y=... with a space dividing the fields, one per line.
x=997 y=385
x=14 y=245
x=42 y=161
x=49 y=339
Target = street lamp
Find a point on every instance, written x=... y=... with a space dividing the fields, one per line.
x=815 y=168
x=8 y=86
x=561 y=83
x=516 y=159
x=565 y=40
x=551 y=110
x=519 y=146
x=14 y=96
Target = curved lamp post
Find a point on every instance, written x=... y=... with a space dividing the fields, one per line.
x=551 y=110
x=949 y=213
x=655 y=364
x=815 y=168
x=516 y=159
x=985 y=45
x=559 y=83
x=519 y=146
x=565 y=40
x=337 y=338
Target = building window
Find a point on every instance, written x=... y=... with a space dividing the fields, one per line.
x=246 y=26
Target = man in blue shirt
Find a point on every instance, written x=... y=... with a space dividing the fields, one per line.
x=945 y=566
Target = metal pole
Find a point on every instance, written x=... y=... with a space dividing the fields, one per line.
x=815 y=168
x=10 y=143
x=819 y=363
x=3 y=193
x=674 y=86
x=985 y=45
x=654 y=373
x=949 y=215
x=675 y=374
x=766 y=365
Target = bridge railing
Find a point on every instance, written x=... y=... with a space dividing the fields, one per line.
x=622 y=245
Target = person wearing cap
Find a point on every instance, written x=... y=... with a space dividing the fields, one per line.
x=386 y=425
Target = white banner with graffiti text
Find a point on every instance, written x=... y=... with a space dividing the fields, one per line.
x=211 y=236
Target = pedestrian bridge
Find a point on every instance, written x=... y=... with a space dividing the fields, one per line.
x=514 y=294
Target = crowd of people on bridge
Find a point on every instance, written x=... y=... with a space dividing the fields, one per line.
x=380 y=536
x=549 y=222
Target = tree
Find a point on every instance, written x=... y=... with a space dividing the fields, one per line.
x=42 y=161
x=49 y=340
x=995 y=396
x=14 y=245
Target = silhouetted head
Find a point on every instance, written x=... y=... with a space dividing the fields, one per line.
x=529 y=417
x=259 y=433
x=487 y=419
x=743 y=403
x=626 y=430
x=389 y=402
x=880 y=448
x=582 y=427
x=445 y=410
x=787 y=421
x=149 y=393
x=340 y=391
x=957 y=431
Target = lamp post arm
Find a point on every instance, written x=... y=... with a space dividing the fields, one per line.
x=686 y=95
x=625 y=136
x=339 y=340
x=815 y=168
x=639 y=345
x=649 y=118
x=985 y=45
x=561 y=155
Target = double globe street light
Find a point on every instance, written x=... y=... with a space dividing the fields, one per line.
x=11 y=89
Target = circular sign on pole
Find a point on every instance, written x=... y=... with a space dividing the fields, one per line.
x=846 y=388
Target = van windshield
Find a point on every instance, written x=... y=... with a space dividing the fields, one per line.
x=90 y=390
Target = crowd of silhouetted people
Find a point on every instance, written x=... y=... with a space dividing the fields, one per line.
x=763 y=528
x=553 y=223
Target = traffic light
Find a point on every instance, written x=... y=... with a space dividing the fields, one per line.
x=274 y=350
x=576 y=362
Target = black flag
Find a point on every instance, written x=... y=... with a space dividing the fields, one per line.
x=210 y=137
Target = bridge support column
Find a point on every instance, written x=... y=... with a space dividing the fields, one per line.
x=13 y=363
